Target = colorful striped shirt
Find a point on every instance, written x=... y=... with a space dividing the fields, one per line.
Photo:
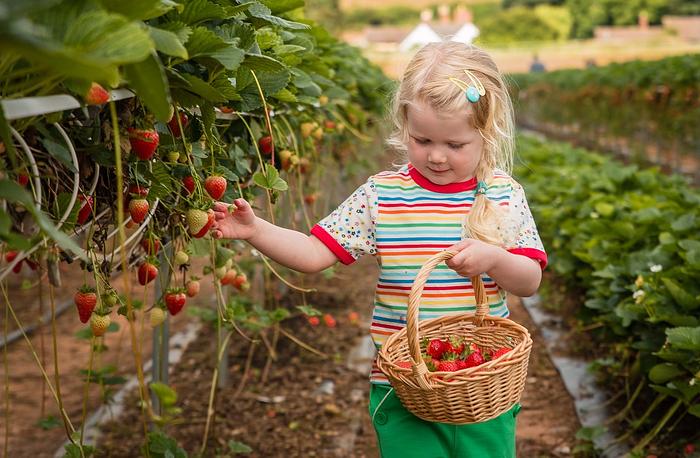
x=402 y=219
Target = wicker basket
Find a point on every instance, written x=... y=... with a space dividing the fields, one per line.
x=471 y=395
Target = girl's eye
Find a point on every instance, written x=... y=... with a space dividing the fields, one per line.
x=456 y=145
x=421 y=141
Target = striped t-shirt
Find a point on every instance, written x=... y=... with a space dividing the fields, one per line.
x=403 y=219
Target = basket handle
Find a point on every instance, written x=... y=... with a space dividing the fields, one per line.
x=482 y=307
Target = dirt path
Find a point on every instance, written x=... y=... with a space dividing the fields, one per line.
x=313 y=406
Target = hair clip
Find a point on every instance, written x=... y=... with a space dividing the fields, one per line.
x=473 y=91
x=481 y=188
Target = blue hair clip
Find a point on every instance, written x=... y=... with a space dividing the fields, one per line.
x=473 y=91
x=481 y=188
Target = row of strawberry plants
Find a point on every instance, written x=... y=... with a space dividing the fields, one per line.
x=627 y=239
x=652 y=106
x=233 y=99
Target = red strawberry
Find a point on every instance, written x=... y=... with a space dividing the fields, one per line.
x=329 y=320
x=9 y=257
x=175 y=300
x=496 y=353
x=199 y=222
x=475 y=358
x=86 y=300
x=188 y=183
x=150 y=246
x=313 y=320
x=455 y=345
x=215 y=186
x=229 y=277
x=354 y=318
x=265 y=145
x=240 y=281
x=447 y=366
x=143 y=142
x=436 y=348
x=461 y=364
x=96 y=95
x=404 y=364
x=175 y=127
x=147 y=272
x=86 y=209
x=23 y=179
x=138 y=209
x=192 y=288
x=311 y=198
x=138 y=190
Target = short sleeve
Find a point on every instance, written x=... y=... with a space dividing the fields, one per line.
x=519 y=231
x=349 y=231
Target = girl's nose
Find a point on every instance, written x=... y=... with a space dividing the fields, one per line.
x=436 y=157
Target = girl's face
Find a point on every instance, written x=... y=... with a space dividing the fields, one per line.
x=443 y=148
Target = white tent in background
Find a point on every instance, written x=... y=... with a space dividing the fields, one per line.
x=420 y=36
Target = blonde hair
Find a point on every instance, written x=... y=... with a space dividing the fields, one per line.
x=427 y=79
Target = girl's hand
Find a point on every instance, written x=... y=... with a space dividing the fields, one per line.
x=475 y=257
x=233 y=221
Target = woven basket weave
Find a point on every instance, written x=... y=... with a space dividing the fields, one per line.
x=471 y=395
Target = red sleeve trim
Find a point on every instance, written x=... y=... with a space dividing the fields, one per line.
x=538 y=255
x=337 y=249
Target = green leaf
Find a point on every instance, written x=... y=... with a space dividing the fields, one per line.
x=282 y=6
x=230 y=57
x=684 y=338
x=166 y=395
x=168 y=42
x=684 y=223
x=285 y=95
x=14 y=193
x=680 y=295
x=139 y=9
x=694 y=410
x=60 y=152
x=203 y=89
x=662 y=373
x=263 y=13
x=147 y=79
x=204 y=42
x=270 y=179
x=238 y=447
x=261 y=63
x=197 y=11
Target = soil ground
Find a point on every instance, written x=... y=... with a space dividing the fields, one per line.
x=293 y=413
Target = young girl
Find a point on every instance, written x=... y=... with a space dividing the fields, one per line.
x=454 y=123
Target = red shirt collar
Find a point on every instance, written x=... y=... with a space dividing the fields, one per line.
x=451 y=188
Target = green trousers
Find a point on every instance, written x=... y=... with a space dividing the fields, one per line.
x=403 y=435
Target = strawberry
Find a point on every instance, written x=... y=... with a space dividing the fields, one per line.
x=288 y=159
x=188 y=183
x=96 y=95
x=199 y=222
x=147 y=272
x=404 y=364
x=173 y=156
x=86 y=300
x=175 y=299
x=99 y=324
x=138 y=209
x=215 y=186
x=447 y=366
x=329 y=320
x=229 y=277
x=323 y=100
x=474 y=358
x=354 y=318
x=455 y=345
x=461 y=364
x=329 y=125
x=85 y=209
x=311 y=198
x=307 y=128
x=180 y=258
x=313 y=320
x=497 y=353
x=175 y=127
x=265 y=145
x=240 y=281
x=192 y=288
x=436 y=348
x=157 y=317
x=23 y=179
x=304 y=165
x=138 y=190
x=11 y=256
x=150 y=245
x=318 y=133
x=144 y=142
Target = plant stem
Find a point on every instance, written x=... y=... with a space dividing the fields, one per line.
x=212 y=392
x=86 y=392
x=651 y=434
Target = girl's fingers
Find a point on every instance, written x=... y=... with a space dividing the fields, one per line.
x=220 y=207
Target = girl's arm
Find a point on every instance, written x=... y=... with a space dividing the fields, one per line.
x=293 y=249
x=515 y=273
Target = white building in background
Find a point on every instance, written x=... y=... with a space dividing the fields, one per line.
x=460 y=28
